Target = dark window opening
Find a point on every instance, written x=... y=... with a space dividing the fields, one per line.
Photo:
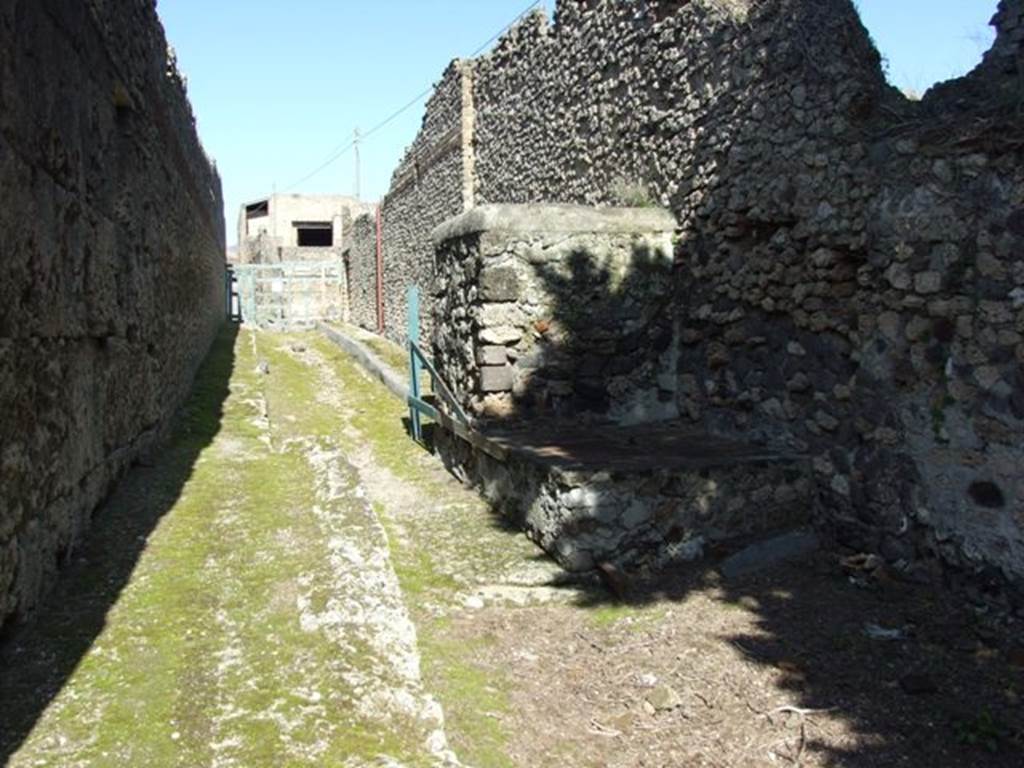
x=257 y=210
x=314 y=234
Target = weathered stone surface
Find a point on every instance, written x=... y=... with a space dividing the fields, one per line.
x=501 y=334
x=361 y=254
x=588 y=336
x=928 y=282
x=495 y=378
x=769 y=553
x=491 y=355
x=499 y=284
x=490 y=315
x=431 y=184
x=632 y=514
x=113 y=267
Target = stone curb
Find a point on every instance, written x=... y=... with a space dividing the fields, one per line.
x=368 y=360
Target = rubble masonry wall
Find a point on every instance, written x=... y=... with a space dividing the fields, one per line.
x=849 y=272
x=113 y=267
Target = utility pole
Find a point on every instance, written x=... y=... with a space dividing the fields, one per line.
x=355 y=144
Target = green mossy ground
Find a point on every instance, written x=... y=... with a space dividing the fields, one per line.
x=202 y=645
x=175 y=639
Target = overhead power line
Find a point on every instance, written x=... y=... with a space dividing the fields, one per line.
x=341 y=150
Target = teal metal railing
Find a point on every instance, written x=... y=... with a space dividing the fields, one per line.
x=419 y=407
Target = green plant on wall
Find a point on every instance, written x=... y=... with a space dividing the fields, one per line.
x=983 y=730
x=632 y=194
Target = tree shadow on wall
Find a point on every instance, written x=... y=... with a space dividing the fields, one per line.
x=602 y=326
x=37 y=659
x=847 y=667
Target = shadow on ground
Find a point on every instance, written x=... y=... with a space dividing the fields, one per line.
x=37 y=659
x=915 y=675
x=904 y=673
x=809 y=663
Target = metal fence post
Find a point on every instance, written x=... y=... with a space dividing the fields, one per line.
x=413 y=304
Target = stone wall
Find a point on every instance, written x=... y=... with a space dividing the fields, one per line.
x=1006 y=57
x=113 y=267
x=849 y=265
x=361 y=263
x=646 y=503
x=554 y=311
x=848 y=259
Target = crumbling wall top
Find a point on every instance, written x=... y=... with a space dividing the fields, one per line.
x=554 y=218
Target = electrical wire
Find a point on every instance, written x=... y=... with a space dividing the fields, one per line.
x=343 y=149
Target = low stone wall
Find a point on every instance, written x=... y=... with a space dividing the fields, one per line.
x=549 y=317
x=638 y=516
x=113 y=267
x=557 y=311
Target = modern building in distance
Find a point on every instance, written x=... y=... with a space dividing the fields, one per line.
x=295 y=228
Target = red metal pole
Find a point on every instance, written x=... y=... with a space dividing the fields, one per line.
x=380 y=272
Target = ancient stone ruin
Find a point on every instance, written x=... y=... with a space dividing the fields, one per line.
x=550 y=310
x=846 y=280
x=288 y=271
x=707 y=228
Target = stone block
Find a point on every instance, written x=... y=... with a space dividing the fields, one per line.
x=495 y=314
x=491 y=355
x=499 y=284
x=928 y=282
x=495 y=378
x=498 y=405
x=898 y=276
x=502 y=334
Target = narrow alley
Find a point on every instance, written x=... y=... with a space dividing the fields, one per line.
x=652 y=397
x=295 y=582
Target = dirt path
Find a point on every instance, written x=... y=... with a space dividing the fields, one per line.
x=295 y=582
x=263 y=622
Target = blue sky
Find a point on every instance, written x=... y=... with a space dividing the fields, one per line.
x=277 y=87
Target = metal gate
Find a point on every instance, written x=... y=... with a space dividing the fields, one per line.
x=291 y=293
